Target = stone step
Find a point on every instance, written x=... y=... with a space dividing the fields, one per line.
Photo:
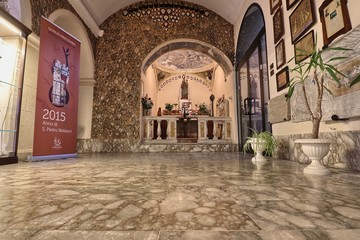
x=188 y=147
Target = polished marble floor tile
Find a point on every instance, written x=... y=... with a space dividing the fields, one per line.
x=175 y=196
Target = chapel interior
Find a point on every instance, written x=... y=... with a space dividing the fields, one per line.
x=169 y=92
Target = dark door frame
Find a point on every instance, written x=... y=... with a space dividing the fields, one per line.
x=256 y=44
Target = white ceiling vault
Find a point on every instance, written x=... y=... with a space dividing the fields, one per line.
x=95 y=12
x=98 y=11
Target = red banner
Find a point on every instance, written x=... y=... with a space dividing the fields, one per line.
x=57 y=93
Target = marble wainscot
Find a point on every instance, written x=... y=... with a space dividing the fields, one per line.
x=344 y=153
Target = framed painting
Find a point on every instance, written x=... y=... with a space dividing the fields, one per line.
x=304 y=47
x=280 y=54
x=335 y=19
x=290 y=3
x=301 y=19
x=282 y=78
x=274 y=4
x=278 y=24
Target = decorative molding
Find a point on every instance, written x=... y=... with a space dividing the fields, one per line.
x=86 y=17
x=191 y=77
x=87 y=81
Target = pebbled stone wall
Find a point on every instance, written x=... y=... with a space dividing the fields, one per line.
x=119 y=56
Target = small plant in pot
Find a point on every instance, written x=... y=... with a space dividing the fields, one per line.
x=203 y=110
x=259 y=143
x=313 y=73
x=169 y=107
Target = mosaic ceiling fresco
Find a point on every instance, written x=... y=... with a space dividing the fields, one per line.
x=184 y=59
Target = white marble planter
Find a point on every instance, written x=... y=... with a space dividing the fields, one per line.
x=316 y=150
x=258 y=145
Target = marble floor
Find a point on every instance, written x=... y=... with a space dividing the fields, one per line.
x=175 y=196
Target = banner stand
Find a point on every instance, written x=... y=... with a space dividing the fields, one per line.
x=56 y=109
x=51 y=157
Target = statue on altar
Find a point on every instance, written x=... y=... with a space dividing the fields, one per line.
x=184 y=89
x=184 y=101
x=222 y=106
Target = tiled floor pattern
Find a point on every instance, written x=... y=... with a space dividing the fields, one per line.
x=175 y=196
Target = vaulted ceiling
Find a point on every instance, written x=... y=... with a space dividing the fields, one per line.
x=102 y=9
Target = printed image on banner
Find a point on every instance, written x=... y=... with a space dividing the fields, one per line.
x=57 y=92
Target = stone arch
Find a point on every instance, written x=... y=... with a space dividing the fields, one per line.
x=252 y=24
x=211 y=51
x=69 y=22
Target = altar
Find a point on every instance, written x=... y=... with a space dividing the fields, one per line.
x=187 y=130
x=188 y=125
x=173 y=129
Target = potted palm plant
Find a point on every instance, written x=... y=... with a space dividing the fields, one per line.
x=259 y=143
x=316 y=69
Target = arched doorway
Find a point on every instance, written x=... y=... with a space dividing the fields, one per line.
x=73 y=25
x=252 y=75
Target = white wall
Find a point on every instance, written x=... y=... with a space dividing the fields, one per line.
x=223 y=86
x=171 y=92
x=150 y=88
x=27 y=120
x=226 y=86
x=287 y=128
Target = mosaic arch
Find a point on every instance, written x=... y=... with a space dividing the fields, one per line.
x=197 y=46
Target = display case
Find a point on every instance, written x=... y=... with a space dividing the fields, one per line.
x=13 y=42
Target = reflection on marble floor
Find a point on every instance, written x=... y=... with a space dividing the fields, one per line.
x=175 y=196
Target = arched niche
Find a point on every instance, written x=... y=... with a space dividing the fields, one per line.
x=69 y=22
x=222 y=84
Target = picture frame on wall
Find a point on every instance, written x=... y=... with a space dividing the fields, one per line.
x=274 y=4
x=304 y=47
x=278 y=24
x=290 y=3
x=301 y=19
x=282 y=78
x=335 y=19
x=280 y=54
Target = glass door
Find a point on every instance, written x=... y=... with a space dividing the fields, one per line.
x=253 y=91
x=12 y=58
